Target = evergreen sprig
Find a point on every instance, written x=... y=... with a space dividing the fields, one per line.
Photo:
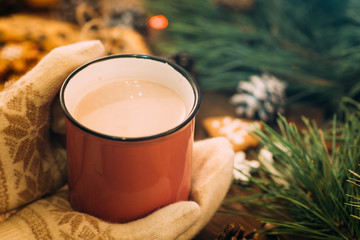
x=312 y=45
x=310 y=190
x=355 y=200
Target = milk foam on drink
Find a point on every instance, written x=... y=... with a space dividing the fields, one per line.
x=131 y=108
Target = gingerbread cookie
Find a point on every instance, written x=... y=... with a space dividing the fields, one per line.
x=48 y=33
x=16 y=59
x=236 y=130
x=26 y=38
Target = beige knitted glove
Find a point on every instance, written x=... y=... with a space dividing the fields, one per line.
x=31 y=163
x=53 y=218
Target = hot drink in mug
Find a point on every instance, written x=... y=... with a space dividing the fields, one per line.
x=129 y=130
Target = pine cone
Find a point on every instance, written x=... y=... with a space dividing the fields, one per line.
x=260 y=98
x=232 y=232
x=183 y=60
x=133 y=18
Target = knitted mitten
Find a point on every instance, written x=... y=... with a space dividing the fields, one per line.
x=32 y=164
x=53 y=218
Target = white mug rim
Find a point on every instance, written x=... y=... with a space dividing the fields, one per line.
x=182 y=71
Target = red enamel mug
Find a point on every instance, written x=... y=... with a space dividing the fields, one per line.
x=120 y=178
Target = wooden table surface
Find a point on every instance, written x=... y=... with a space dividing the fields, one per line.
x=217 y=104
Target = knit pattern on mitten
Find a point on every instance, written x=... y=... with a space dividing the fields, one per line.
x=31 y=163
x=53 y=218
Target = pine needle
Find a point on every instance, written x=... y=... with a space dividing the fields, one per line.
x=321 y=197
x=312 y=45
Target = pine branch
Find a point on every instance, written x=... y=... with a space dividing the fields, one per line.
x=312 y=45
x=314 y=192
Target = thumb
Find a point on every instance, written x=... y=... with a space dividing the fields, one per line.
x=48 y=75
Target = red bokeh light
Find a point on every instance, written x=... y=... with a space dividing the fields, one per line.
x=158 y=22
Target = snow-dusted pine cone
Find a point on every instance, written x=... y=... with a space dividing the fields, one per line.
x=260 y=98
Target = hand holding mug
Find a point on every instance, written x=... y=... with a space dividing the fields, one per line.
x=32 y=164
x=53 y=218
